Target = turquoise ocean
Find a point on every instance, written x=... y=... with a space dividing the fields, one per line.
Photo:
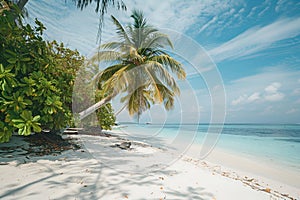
x=276 y=143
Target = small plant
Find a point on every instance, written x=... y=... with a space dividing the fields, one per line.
x=26 y=124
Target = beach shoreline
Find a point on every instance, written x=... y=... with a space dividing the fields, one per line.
x=96 y=172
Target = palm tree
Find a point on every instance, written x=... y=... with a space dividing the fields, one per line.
x=139 y=67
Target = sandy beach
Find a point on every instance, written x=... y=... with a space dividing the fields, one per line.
x=147 y=170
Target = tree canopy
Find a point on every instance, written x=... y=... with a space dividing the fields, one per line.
x=36 y=78
x=141 y=68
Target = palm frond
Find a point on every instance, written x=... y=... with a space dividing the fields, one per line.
x=109 y=72
x=160 y=73
x=103 y=56
x=138 y=101
x=120 y=30
x=168 y=96
x=157 y=40
x=172 y=64
x=117 y=82
x=156 y=93
x=139 y=19
x=112 y=45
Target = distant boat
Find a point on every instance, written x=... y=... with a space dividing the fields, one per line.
x=148 y=123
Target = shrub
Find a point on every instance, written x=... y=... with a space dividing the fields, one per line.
x=36 y=78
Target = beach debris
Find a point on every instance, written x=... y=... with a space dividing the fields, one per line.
x=123 y=145
x=72 y=131
x=285 y=195
x=248 y=179
x=163 y=198
x=161 y=178
x=267 y=190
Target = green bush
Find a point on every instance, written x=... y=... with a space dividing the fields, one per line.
x=104 y=114
x=36 y=79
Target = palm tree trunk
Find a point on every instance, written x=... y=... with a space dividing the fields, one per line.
x=96 y=106
x=21 y=3
x=119 y=111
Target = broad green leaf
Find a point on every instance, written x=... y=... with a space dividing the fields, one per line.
x=26 y=115
x=36 y=128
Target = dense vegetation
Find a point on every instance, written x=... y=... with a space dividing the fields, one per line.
x=36 y=78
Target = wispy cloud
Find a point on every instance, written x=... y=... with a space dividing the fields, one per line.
x=263 y=11
x=213 y=20
x=252 y=12
x=78 y=28
x=283 y=5
x=256 y=39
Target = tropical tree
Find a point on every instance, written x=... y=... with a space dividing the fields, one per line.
x=140 y=67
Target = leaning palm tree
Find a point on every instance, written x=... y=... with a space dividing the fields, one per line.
x=140 y=67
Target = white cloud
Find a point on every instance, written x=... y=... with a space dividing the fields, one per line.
x=180 y=15
x=255 y=96
x=78 y=29
x=239 y=100
x=274 y=97
x=273 y=88
x=213 y=20
x=241 y=10
x=282 y=5
x=243 y=99
x=291 y=111
x=251 y=13
x=278 y=5
x=272 y=93
x=274 y=103
x=256 y=39
x=263 y=11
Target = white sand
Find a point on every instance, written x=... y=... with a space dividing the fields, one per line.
x=144 y=172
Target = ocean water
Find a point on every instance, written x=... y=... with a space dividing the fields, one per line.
x=276 y=143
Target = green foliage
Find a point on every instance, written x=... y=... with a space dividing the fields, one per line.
x=141 y=68
x=27 y=123
x=89 y=90
x=105 y=115
x=36 y=78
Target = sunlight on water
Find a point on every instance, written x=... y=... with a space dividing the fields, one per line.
x=279 y=144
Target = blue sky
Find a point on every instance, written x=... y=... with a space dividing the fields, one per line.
x=253 y=45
